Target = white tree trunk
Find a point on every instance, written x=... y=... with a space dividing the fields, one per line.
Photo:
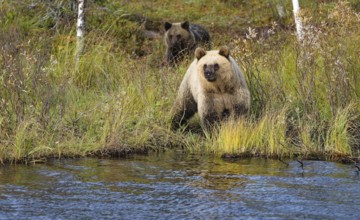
x=80 y=32
x=298 y=23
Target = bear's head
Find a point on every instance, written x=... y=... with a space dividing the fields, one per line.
x=178 y=35
x=214 y=66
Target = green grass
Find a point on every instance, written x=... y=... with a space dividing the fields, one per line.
x=305 y=97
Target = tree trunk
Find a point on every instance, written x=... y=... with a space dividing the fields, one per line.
x=298 y=23
x=80 y=32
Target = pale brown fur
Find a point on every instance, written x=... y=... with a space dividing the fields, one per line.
x=213 y=86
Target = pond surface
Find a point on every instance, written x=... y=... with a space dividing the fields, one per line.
x=179 y=186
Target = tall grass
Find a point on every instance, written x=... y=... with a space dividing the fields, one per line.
x=305 y=96
x=115 y=104
x=265 y=136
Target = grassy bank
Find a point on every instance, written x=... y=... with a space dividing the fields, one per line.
x=305 y=96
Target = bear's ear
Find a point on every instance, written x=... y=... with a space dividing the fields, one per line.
x=224 y=51
x=199 y=52
x=185 y=25
x=167 y=26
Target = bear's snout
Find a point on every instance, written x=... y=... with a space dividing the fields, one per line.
x=210 y=73
x=176 y=42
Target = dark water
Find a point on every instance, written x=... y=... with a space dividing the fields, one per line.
x=178 y=186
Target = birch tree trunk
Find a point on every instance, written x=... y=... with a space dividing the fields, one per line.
x=298 y=23
x=80 y=32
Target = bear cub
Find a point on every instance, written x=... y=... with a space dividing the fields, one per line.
x=213 y=86
x=182 y=38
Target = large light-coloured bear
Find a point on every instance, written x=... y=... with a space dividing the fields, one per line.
x=213 y=86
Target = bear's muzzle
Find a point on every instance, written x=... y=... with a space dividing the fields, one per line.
x=210 y=73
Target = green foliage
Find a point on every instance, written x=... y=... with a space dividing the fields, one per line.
x=313 y=82
x=305 y=96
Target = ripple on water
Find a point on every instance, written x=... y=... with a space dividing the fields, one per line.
x=173 y=186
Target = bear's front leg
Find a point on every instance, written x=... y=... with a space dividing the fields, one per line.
x=170 y=58
x=207 y=113
x=242 y=103
x=183 y=109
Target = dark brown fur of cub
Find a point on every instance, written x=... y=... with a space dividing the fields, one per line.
x=181 y=39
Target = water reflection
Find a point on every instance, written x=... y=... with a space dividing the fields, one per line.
x=175 y=185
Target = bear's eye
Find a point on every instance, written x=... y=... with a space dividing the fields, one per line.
x=178 y=36
x=170 y=36
x=205 y=66
x=216 y=66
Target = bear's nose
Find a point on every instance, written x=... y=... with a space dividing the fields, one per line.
x=210 y=74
